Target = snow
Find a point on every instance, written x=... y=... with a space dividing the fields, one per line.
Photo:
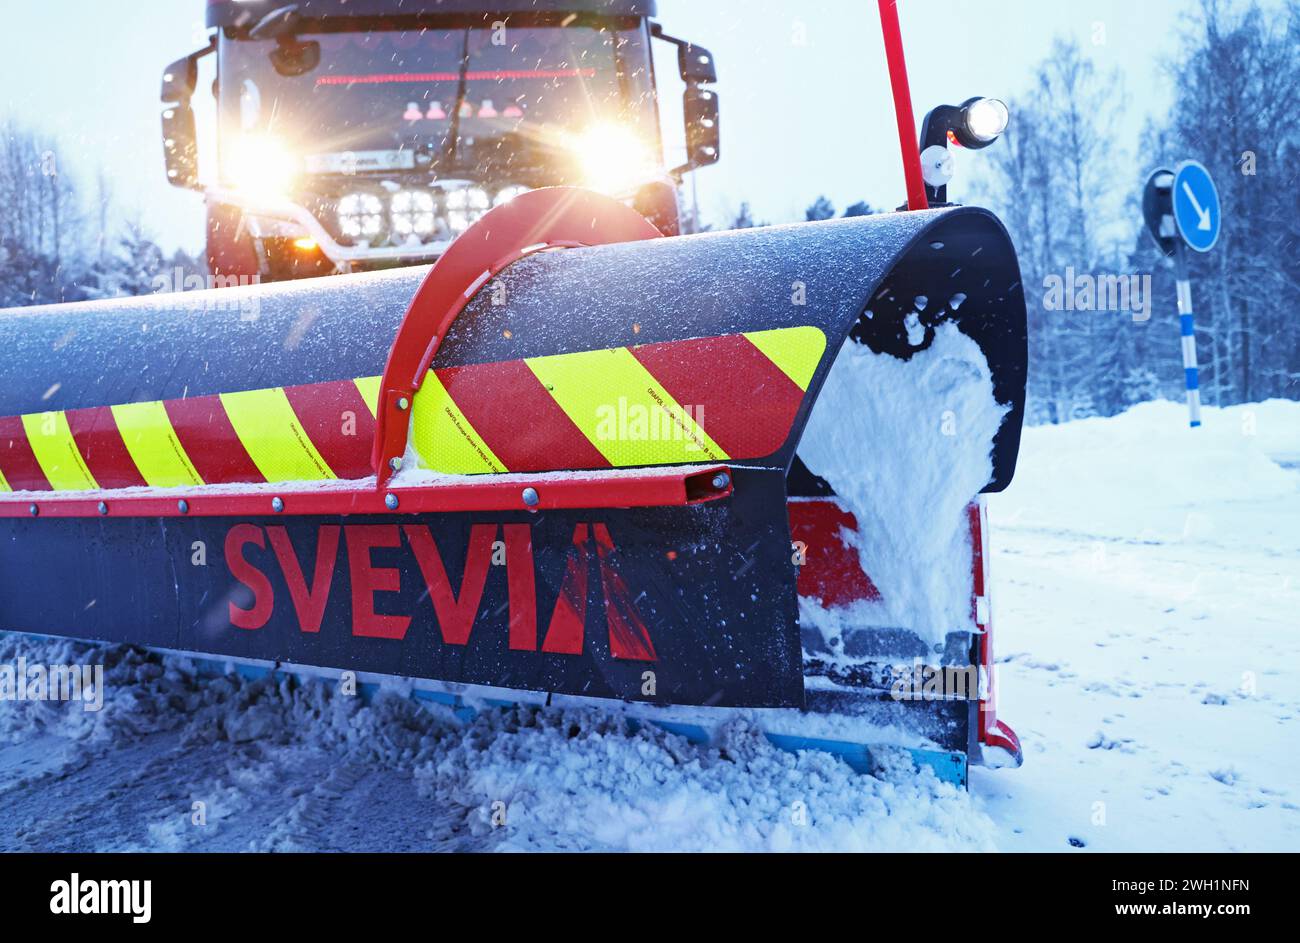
x=288 y=766
x=577 y=782
x=1146 y=581
x=1148 y=474
x=906 y=444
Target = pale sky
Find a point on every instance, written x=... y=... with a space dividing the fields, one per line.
x=805 y=98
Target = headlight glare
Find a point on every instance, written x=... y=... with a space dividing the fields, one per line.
x=506 y=194
x=262 y=166
x=614 y=158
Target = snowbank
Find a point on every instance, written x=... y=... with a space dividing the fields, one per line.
x=907 y=445
x=1145 y=474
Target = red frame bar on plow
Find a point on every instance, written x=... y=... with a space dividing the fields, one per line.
x=678 y=487
x=549 y=218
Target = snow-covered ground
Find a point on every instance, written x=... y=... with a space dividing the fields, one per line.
x=1147 y=601
x=293 y=767
x=1147 y=606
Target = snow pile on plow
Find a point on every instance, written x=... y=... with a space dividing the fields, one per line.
x=935 y=417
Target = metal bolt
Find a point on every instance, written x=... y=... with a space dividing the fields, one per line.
x=183 y=506
x=403 y=404
x=103 y=508
x=721 y=480
x=277 y=505
x=33 y=510
x=390 y=502
x=395 y=463
x=531 y=497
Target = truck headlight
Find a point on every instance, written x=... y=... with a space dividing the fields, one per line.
x=614 y=158
x=506 y=194
x=464 y=207
x=261 y=166
x=361 y=216
x=413 y=214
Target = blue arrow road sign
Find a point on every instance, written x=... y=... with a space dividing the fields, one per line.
x=1196 y=206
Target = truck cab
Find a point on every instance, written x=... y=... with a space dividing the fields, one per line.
x=362 y=134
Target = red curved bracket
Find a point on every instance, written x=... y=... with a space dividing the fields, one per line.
x=550 y=218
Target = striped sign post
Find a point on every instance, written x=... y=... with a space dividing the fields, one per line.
x=1182 y=212
x=1187 y=326
x=1199 y=219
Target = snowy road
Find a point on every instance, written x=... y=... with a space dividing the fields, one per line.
x=1147 y=599
x=1149 y=635
x=177 y=764
x=1139 y=727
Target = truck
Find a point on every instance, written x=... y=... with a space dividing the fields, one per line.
x=578 y=460
x=354 y=135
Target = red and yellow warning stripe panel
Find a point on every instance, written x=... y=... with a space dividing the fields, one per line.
x=733 y=397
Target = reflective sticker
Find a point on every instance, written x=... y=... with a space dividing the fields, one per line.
x=56 y=452
x=275 y=440
x=154 y=447
x=796 y=350
x=624 y=410
x=625 y=407
x=444 y=438
x=4 y=485
x=369 y=389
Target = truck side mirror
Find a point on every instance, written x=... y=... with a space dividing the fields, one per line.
x=180 y=146
x=699 y=105
x=703 y=131
x=180 y=79
x=180 y=140
x=696 y=65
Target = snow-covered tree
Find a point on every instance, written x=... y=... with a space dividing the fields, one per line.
x=55 y=245
x=743 y=218
x=1053 y=179
x=821 y=208
x=1235 y=87
x=138 y=262
x=41 y=225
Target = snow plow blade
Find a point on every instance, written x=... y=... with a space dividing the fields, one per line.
x=570 y=472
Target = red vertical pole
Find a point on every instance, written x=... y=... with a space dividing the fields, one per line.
x=903 y=105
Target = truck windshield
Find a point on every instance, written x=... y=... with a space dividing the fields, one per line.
x=445 y=99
